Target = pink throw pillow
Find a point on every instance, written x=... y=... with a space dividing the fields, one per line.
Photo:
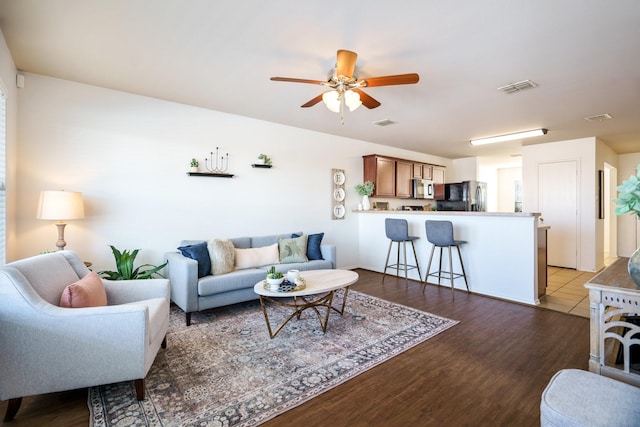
x=86 y=292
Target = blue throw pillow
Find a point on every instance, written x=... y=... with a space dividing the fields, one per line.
x=200 y=253
x=313 y=245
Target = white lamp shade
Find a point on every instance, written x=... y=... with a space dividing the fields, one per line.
x=352 y=99
x=60 y=205
x=332 y=100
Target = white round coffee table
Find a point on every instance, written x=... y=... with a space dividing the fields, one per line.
x=319 y=289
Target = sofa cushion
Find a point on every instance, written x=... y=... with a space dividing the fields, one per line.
x=200 y=253
x=257 y=257
x=293 y=249
x=86 y=292
x=260 y=241
x=238 y=280
x=313 y=245
x=222 y=254
x=318 y=264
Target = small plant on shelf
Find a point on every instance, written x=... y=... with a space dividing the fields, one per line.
x=365 y=189
x=266 y=159
x=194 y=163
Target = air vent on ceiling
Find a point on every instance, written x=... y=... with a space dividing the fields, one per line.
x=517 y=87
x=599 y=118
x=384 y=122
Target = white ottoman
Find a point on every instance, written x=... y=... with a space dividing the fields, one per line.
x=581 y=398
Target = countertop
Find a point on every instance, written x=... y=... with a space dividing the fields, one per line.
x=449 y=213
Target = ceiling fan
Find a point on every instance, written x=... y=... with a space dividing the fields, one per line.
x=346 y=88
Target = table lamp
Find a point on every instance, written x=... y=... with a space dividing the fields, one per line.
x=60 y=206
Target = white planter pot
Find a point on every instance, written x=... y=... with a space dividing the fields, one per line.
x=366 y=205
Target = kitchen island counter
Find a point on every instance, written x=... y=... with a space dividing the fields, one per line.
x=449 y=213
x=500 y=256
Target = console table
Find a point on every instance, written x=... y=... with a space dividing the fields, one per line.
x=614 y=300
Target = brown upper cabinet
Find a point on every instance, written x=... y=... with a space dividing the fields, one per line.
x=382 y=172
x=392 y=176
x=438 y=181
x=417 y=170
x=404 y=174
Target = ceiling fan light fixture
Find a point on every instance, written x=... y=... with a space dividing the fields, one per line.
x=332 y=100
x=509 y=137
x=352 y=99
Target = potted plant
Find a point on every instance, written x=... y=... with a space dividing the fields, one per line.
x=194 y=165
x=274 y=278
x=264 y=159
x=628 y=201
x=126 y=270
x=365 y=190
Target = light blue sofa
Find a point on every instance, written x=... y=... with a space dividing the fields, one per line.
x=193 y=294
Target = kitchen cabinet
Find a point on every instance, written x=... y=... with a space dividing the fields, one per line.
x=404 y=174
x=392 y=177
x=542 y=261
x=382 y=172
x=418 y=170
x=427 y=172
x=438 y=181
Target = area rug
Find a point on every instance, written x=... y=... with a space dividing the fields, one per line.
x=224 y=370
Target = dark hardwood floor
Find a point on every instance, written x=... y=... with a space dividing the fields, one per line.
x=489 y=370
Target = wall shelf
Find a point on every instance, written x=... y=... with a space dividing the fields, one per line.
x=213 y=174
x=255 y=165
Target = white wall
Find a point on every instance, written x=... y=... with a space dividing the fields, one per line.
x=507 y=178
x=129 y=156
x=8 y=83
x=605 y=159
x=464 y=169
x=583 y=152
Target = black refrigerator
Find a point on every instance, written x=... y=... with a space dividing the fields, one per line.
x=464 y=196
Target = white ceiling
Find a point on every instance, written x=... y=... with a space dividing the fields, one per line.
x=583 y=54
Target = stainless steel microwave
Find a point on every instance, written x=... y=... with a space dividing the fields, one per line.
x=422 y=188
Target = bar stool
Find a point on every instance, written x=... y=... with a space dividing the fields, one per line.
x=440 y=234
x=397 y=231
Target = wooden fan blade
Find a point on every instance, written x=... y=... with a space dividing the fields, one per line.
x=367 y=100
x=346 y=63
x=312 y=102
x=289 y=79
x=400 y=79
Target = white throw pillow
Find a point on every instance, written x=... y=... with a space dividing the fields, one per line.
x=257 y=257
x=221 y=252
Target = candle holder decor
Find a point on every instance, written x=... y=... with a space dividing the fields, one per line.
x=217 y=164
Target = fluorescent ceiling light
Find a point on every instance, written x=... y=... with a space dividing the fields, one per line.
x=509 y=137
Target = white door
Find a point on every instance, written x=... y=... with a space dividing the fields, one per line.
x=558 y=204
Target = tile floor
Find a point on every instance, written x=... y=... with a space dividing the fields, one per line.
x=566 y=291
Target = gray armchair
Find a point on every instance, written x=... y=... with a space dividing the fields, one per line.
x=45 y=348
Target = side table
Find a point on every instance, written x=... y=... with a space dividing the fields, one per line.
x=613 y=301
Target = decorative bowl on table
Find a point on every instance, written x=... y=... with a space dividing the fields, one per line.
x=274 y=284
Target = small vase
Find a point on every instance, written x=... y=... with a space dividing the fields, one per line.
x=193 y=169
x=634 y=267
x=365 y=203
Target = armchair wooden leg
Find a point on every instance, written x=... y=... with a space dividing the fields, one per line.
x=139 y=384
x=12 y=408
x=164 y=342
x=188 y=319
